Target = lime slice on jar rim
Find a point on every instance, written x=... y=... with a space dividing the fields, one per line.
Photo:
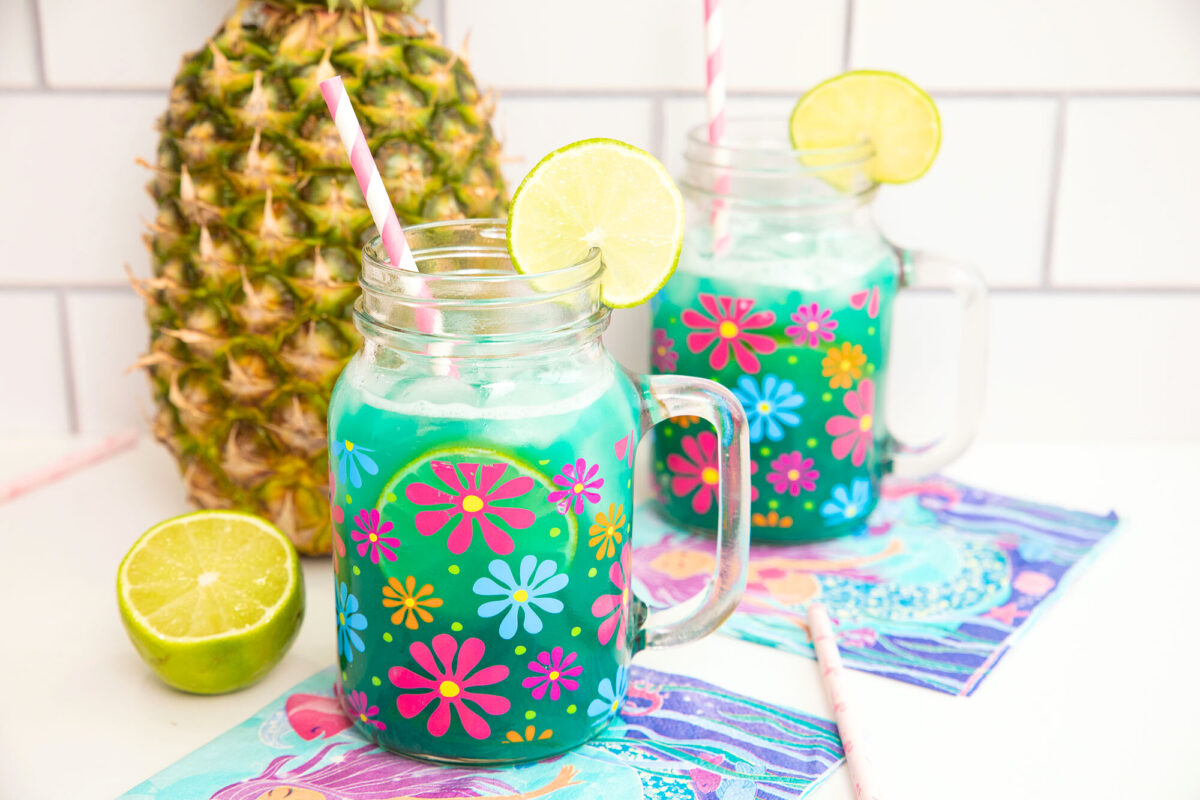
x=606 y=194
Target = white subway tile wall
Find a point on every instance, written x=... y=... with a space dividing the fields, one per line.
x=1068 y=174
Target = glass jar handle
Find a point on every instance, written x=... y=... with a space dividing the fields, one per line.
x=666 y=396
x=934 y=271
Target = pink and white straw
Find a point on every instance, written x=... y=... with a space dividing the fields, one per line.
x=714 y=35
x=849 y=725
x=369 y=180
x=68 y=465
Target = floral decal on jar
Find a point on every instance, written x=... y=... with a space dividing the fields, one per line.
x=663 y=354
x=523 y=596
x=853 y=434
x=843 y=365
x=451 y=685
x=615 y=607
x=529 y=735
x=370 y=536
x=868 y=298
x=349 y=622
x=696 y=470
x=606 y=533
x=846 y=504
x=554 y=672
x=611 y=695
x=364 y=711
x=792 y=472
x=351 y=458
x=411 y=603
x=727 y=325
x=768 y=407
x=471 y=502
x=579 y=483
x=813 y=326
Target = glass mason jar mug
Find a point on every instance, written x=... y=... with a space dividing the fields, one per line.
x=482 y=446
x=784 y=294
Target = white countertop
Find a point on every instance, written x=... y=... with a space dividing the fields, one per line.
x=1098 y=700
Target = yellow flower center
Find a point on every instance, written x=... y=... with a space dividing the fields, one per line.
x=363 y=717
x=609 y=531
x=764 y=407
x=472 y=504
x=864 y=422
x=520 y=595
x=373 y=537
x=727 y=330
x=408 y=601
x=851 y=510
x=662 y=351
x=553 y=675
x=341 y=618
x=812 y=326
x=449 y=689
x=710 y=476
x=845 y=365
x=616 y=704
x=793 y=474
x=578 y=488
x=349 y=446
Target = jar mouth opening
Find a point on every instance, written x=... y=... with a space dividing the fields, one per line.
x=755 y=145
x=468 y=260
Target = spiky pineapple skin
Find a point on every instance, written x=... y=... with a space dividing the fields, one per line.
x=256 y=241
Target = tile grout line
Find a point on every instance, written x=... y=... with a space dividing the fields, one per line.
x=39 y=47
x=1052 y=191
x=68 y=361
x=848 y=35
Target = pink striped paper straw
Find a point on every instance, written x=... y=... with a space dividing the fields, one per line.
x=833 y=676
x=714 y=35
x=367 y=174
x=67 y=465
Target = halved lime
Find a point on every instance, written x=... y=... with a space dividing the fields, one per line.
x=599 y=193
x=211 y=600
x=893 y=113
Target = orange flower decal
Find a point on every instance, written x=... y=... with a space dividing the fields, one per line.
x=686 y=421
x=607 y=531
x=843 y=365
x=513 y=736
x=770 y=520
x=409 y=602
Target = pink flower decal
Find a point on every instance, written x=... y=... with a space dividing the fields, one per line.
x=662 y=353
x=364 y=710
x=473 y=503
x=793 y=472
x=853 y=434
x=868 y=298
x=615 y=606
x=577 y=481
x=697 y=471
x=370 y=536
x=812 y=327
x=727 y=325
x=626 y=446
x=553 y=671
x=450 y=685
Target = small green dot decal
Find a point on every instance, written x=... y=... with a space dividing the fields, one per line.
x=592 y=572
x=456 y=626
x=870 y=369
x=792 y=359
x=530 y=714
x=453 y=569
x=375 y=681
x=576 y=631
x=519 y=649
x=808 y=505
x=811 y=442
x=571 y=709
x=827 y=397
x=871 y=331
x=772 y=504
x=668 y=431
x=391 y=497
x=765 y=451
x=357 y=571
x=387 y=637
x=673 y=320
x=555 y=532
x=343 y=674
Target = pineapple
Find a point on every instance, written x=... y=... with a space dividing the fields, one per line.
x=256 y=240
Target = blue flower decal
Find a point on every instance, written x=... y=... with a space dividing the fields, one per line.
x=350 y=459
x=846 y=504
x=349 y=620
x=770 y=406
x=611 y=696
x=528 y=594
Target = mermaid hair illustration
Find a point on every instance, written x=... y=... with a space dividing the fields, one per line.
x=368 y=773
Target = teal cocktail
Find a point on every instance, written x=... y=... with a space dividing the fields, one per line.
x=482 y=447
